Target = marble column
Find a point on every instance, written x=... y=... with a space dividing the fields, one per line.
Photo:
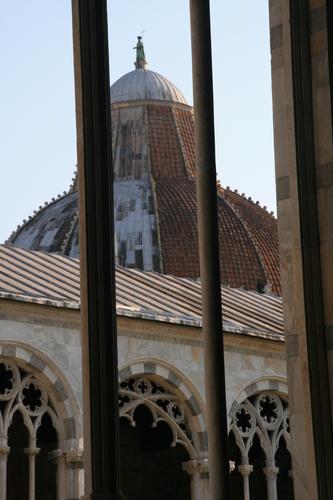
x=198 y=470
x=61 y=476
x=32 y=452
x=74 y=466
x=4 y=452
x=271 y=473
x=245 y=470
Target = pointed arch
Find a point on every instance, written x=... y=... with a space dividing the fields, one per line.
x=39 y=369
x=182 y=398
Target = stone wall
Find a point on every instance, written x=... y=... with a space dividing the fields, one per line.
x=303 y=161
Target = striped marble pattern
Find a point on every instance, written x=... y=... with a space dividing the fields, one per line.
x=54 y=280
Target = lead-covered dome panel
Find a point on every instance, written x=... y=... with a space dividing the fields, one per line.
x=51 y=228
x=142 y=84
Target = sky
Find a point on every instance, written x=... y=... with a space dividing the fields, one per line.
x=37 y=107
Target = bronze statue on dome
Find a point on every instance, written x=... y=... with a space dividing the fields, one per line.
x=140 y=52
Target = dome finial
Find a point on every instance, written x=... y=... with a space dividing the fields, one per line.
x=140 y=62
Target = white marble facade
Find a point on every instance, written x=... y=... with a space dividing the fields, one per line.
x=44 y=342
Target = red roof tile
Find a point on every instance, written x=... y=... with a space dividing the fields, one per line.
x=185 y=125
x=165 y=153
x=240 y=265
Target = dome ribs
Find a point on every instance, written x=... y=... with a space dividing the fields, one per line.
x=264 y=231
x=240 y=266
x=176 y=202
x=177 y=209
x=143 y=84
x=50 y=227
x=185 y=126
x=165 y=152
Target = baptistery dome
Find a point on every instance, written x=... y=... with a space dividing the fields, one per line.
x=142 y=84
x=155 y=208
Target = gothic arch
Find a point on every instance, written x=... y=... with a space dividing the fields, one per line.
x=259 y=418
x=32 y=384
x=44 y=373
x=181 y=406
x=261 y=384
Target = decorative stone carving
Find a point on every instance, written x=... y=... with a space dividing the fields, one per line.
x=163 y=404
x=271 y=472
x=59 y=455
x=245 y=469
x=31 y=452
x=21 y=390
x=266 y=415
x=196 y=466
x=74 y=455
x=10 y=378
x=245 y=420
x=4 y=452
x=270 y=409
x=33 y=397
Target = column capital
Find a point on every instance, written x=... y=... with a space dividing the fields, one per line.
x=59 y=455
x=74 y=455
x=31 y=451
x=271 y=472
x=4 y=452
x=196 y=466
x=245 y=469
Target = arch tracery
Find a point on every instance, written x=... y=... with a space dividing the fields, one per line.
x=171 y=398
x=163 y=404
x=29 y=386
x=180 y=389
x=265 y=414
x=21 y=391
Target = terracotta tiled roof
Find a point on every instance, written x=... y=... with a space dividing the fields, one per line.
x=240 y=265
x=165 y=153
x=177 y=210
x=264 y=232
x=185 y=126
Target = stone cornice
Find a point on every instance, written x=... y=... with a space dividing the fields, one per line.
x=143 y=102
x=161 y=331
x=165 y=332
x=27 y=312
